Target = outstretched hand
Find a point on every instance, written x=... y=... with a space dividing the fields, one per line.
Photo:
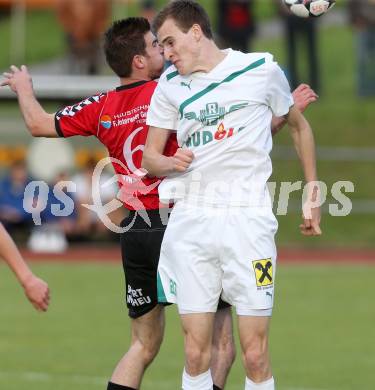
x=17 y=79
x=303 y=95
x=37 y=292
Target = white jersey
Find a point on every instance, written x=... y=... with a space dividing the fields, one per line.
x=224 y=117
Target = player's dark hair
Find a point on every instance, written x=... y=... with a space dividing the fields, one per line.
x=185 y=13
x=124 y=40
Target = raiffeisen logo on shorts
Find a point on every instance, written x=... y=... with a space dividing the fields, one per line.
x=106 y=121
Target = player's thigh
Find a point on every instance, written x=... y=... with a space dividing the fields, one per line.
x=223 y=327
x=140 y=256
x=148 y=329
x=189 y=268
x=254 y=332
x=249 y=261
x=198 y=329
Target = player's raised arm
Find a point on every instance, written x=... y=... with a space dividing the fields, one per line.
x=36 y=289
x=38 y=121
x=303 y=96
x=155 y=162
x=305 y=145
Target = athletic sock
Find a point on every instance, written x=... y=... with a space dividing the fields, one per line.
x=267 y=385
x=200 y=382
x=216 y=387
x=114 y=386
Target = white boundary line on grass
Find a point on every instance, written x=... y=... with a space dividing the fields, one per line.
x=44 y=377
x=34 y=376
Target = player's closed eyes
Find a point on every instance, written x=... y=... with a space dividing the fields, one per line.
x=169 y=43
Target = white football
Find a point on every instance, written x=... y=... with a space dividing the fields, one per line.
x=309 y=8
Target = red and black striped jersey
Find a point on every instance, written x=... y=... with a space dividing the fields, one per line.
x=118 y=119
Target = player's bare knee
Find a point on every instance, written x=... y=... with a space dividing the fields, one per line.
x=148 y=346
x=149 y=355
x=148 y=349
x=256 y=360
x=197 y=359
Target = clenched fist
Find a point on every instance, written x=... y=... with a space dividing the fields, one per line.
x=182 y=160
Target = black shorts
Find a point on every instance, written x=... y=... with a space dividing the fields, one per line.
x=222 y=304
x=140 y=248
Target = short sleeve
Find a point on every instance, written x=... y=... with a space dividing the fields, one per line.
x=161 y=112
x=80 y=119
x=278 y=95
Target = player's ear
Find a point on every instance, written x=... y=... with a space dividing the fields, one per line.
x=139 y=62
x=196 y=32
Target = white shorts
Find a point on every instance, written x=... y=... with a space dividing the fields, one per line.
x=208 y=251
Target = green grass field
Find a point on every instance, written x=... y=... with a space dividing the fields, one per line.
x=322 y=332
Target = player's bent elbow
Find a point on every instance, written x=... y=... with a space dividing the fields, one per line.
x=42 y=129
x=34 y=129
x=37 y=131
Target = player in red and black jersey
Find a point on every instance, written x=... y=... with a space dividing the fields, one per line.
x=117 y=119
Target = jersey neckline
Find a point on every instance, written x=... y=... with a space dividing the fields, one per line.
x=132 y=85
x=218 y=66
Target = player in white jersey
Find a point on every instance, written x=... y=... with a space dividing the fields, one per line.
x=224 y=117
x=220 y=237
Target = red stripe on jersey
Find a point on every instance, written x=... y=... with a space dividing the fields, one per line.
x=118 y=119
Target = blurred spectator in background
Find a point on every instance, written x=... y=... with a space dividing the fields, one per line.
x=58 y=217
x=84 y=22
x=148 y=9
x=236 y=24
x=362 y=16
x=4 y=10
x=88 y=222
x=12 y=187
x=65 y=219
x=302 y=30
